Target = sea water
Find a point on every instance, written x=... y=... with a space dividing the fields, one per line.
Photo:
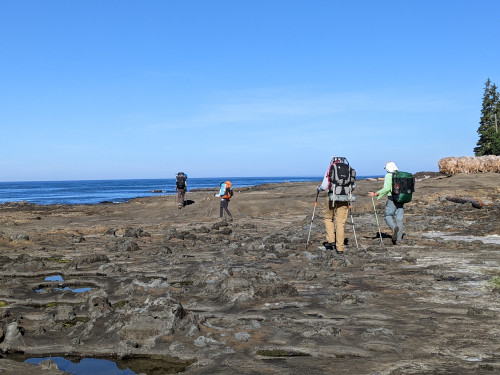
x=116 y=191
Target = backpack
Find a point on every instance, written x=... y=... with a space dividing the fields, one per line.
x=228 y=192
x=342 y=180
x=180 y=183
x=403 y=185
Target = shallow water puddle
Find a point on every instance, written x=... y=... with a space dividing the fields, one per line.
x=59 y=278
x=76 y=290
x=85 y=366
x=130 y=366
x=473 y=359
x=492 y=239
x=54 y=278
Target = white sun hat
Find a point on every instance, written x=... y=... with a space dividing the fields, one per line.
x=391 y=167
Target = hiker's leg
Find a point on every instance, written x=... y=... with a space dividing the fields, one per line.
x=223 y=207
x=390 y=209
x=179 y=197
x=226 y=207
x=399 y=215
x=328 y=219
x=183 y=195
x=341 y=209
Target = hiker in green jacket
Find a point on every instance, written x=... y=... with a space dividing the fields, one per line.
x=394 y=211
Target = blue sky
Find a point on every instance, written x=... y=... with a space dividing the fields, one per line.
x=143 y=89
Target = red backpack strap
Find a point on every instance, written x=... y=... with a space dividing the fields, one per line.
x=329 y=174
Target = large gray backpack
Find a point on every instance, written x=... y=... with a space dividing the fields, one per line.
x=180 y=182
x=342 y=180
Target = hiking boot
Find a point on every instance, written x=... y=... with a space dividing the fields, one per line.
x=395 y=235
x=340 y=252
x=328 y=246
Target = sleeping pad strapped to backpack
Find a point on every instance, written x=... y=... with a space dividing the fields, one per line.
x=342 y=180
x=228 y=191
x=403 y=185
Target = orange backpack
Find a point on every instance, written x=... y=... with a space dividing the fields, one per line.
x=228 y=193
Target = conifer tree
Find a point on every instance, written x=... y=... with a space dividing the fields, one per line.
x=489 y=133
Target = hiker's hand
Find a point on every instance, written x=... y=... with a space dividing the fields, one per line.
x=372 y=194
x=318 y=189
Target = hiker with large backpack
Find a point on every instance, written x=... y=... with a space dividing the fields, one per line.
x=225 y=194
x=181 y=187
x=340 y=181
x=398 y=186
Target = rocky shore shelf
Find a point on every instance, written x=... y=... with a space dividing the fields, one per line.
x=246 y=296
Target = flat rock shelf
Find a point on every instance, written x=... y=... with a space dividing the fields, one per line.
x=246 y=296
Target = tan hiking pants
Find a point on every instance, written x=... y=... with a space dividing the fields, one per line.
x=335 y=218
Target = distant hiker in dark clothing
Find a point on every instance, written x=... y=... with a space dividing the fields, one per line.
x=225 y=193
x=394 y=211
x=339 y=180
x=181 y=187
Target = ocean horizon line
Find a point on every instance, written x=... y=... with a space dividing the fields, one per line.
x=313 y=178
x=122 y=190
x=159 y=179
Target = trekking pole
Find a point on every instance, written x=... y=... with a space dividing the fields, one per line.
x=333 y=210
x=378 y=225
x=312 y=218
x=352 y=221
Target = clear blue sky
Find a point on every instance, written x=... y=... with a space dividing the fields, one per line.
x=109 y=89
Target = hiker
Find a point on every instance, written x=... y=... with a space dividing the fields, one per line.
x=339 y=180
x=225 y=193
x=394 y=211
x=181 y=187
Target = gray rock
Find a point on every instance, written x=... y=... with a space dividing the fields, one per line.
x=19 y=237
x=242 y=336
x=136 y=233
x=78 y=239
x=203 y=341
x=124 y=245
x=48 y=364
x=13 y=339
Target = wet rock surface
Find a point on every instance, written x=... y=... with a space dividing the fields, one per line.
x=246 y=296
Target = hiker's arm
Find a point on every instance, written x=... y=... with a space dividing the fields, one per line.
x=387 y=189
x=221 y=191
x=324 y=184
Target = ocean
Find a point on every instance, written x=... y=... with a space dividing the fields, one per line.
x=117 y=191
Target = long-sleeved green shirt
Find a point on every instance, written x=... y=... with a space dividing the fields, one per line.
x=387 y=189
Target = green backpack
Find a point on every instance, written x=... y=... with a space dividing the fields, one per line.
x=403 y=185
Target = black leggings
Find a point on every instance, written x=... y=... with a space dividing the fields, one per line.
x=224 y=206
